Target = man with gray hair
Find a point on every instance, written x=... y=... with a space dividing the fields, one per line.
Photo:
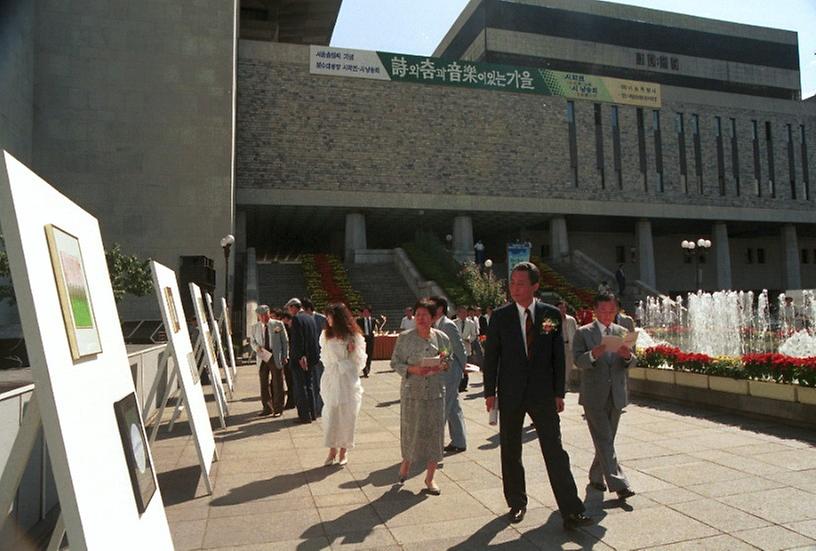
x=271 y=346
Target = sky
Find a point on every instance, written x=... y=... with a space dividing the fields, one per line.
x=417 y=26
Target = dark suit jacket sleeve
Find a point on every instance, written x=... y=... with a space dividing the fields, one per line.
x=297 y=341
x=492 y=352
x=559 y=365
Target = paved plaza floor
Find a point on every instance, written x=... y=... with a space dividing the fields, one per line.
x=705 y=480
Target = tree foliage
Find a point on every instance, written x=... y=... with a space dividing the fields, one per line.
x=486 y=289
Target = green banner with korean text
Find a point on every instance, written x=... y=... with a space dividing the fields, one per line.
x=484 y=76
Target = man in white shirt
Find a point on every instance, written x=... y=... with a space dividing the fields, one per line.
x=407 y=320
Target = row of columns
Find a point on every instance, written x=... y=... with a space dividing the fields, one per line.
x=559 y=247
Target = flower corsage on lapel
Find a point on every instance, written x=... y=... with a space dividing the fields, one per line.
x=548 y=326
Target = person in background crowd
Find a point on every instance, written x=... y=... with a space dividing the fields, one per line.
x=270 y=335
x=620 y=278
x=453 y=376
x=604 y=374
x=622 y=319
x=343 y=356
x=321 y=323
x=422 y=394
x=286 y=319
x=303 y=357
x=366 y=323
x=470 y=338
x=639 y=314
x=479 y=252
x=604 y=288
x=569 y=327
x=407 y=320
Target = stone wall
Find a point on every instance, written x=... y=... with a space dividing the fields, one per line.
x=17 y=80
x=297 y=131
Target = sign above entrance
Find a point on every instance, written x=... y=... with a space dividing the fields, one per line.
x=343 y=62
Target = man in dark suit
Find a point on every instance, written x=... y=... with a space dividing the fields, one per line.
x=366 y=323
x=524 y=358
x=303 y=359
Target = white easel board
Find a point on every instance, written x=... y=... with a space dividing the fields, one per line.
x=167 y=293
x=102 y=464
x=205 y=339
x=228 y=336
x=217 y=338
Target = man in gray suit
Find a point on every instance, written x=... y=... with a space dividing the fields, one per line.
x=269 y=336
x=603 y=392
x=453 y=410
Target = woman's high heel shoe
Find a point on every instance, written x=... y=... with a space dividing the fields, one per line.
x=432 y=489
x=329 y=461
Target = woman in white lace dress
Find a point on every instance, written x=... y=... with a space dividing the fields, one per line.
x=342 y=351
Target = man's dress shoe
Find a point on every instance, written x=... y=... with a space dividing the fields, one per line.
x=626 y=492
x=600 y=486
x=517 y=514
x=573 y=521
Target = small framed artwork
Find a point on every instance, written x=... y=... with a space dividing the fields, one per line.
x=193 y=366
x=74 y=295
x=171 y=309
x=134 y=443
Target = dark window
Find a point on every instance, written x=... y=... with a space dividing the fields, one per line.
x=698 y=152
x=760 y=256
x=664 y=62
x=545 y=251
x=805 y=256
x=616 y=145
x=680 y=128
x=770 y=151
x=804 y=157
x=791 y=161
x=735 y=155
x=658 y=149
x=641 y=132
x=640 y=59
x=757 y=165
x=652 y=60
x=573 y=142
x=620 y=254
x=749 y=256
x=720 y=155
x=599 y=148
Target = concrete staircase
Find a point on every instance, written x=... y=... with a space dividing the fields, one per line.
x=578 y=278
x=384 y=289
x=278 y=282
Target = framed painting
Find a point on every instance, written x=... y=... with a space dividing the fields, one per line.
x=171 y=309
x=74 y=295
x=134 y=443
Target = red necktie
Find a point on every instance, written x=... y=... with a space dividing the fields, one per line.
x=529 y=334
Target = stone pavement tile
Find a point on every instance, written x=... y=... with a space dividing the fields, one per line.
x=274 y=463
x=421 y=508
x=197 y=509
x=639 y=450
x=244 y=488
x=261 y=528
x=343 y=519
x=643 y=482
x=747 y=465
x=336 y=480
x=599 y=504
x=188 y=534
x=467 y=471
x=805 y=527
x=719 y=515
x=285 y=503
x=378 y=538
x=794 y=460
x=695 y=473
x=771 y=538
x=648 y=527
x=670 y=496
x=758 y=449
x=714 y=543
x=486 y=525
x=311 y=544
x=493 y=499
x=653 y=462
x=545 y=528
x=506 y=541
x=734 y=487
x=804 y=480
x=348 y=497
x=780 y=505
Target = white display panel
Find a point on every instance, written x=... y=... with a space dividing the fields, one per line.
x=167 y=293
x=76 y=397
x=209 y=352
x=228 y=336
x=217 y=338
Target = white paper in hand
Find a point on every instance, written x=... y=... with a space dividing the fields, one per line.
x=265 y=355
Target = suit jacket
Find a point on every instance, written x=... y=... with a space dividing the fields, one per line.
x=467 y=328
x=600 y=378
x=625 y=321
x=483 y=323
x=278 y=341
x=458 y=354
x=506 y=366
x=303 y=340
x=361 y=323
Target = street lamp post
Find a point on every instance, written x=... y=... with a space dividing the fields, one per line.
x=698 y=252
x=226 y=243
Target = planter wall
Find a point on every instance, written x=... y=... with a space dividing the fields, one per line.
x=637 y=373
x=774 y=391
x=660 y=375
x=696 y=380
x=806 y=395
x=727 y=384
